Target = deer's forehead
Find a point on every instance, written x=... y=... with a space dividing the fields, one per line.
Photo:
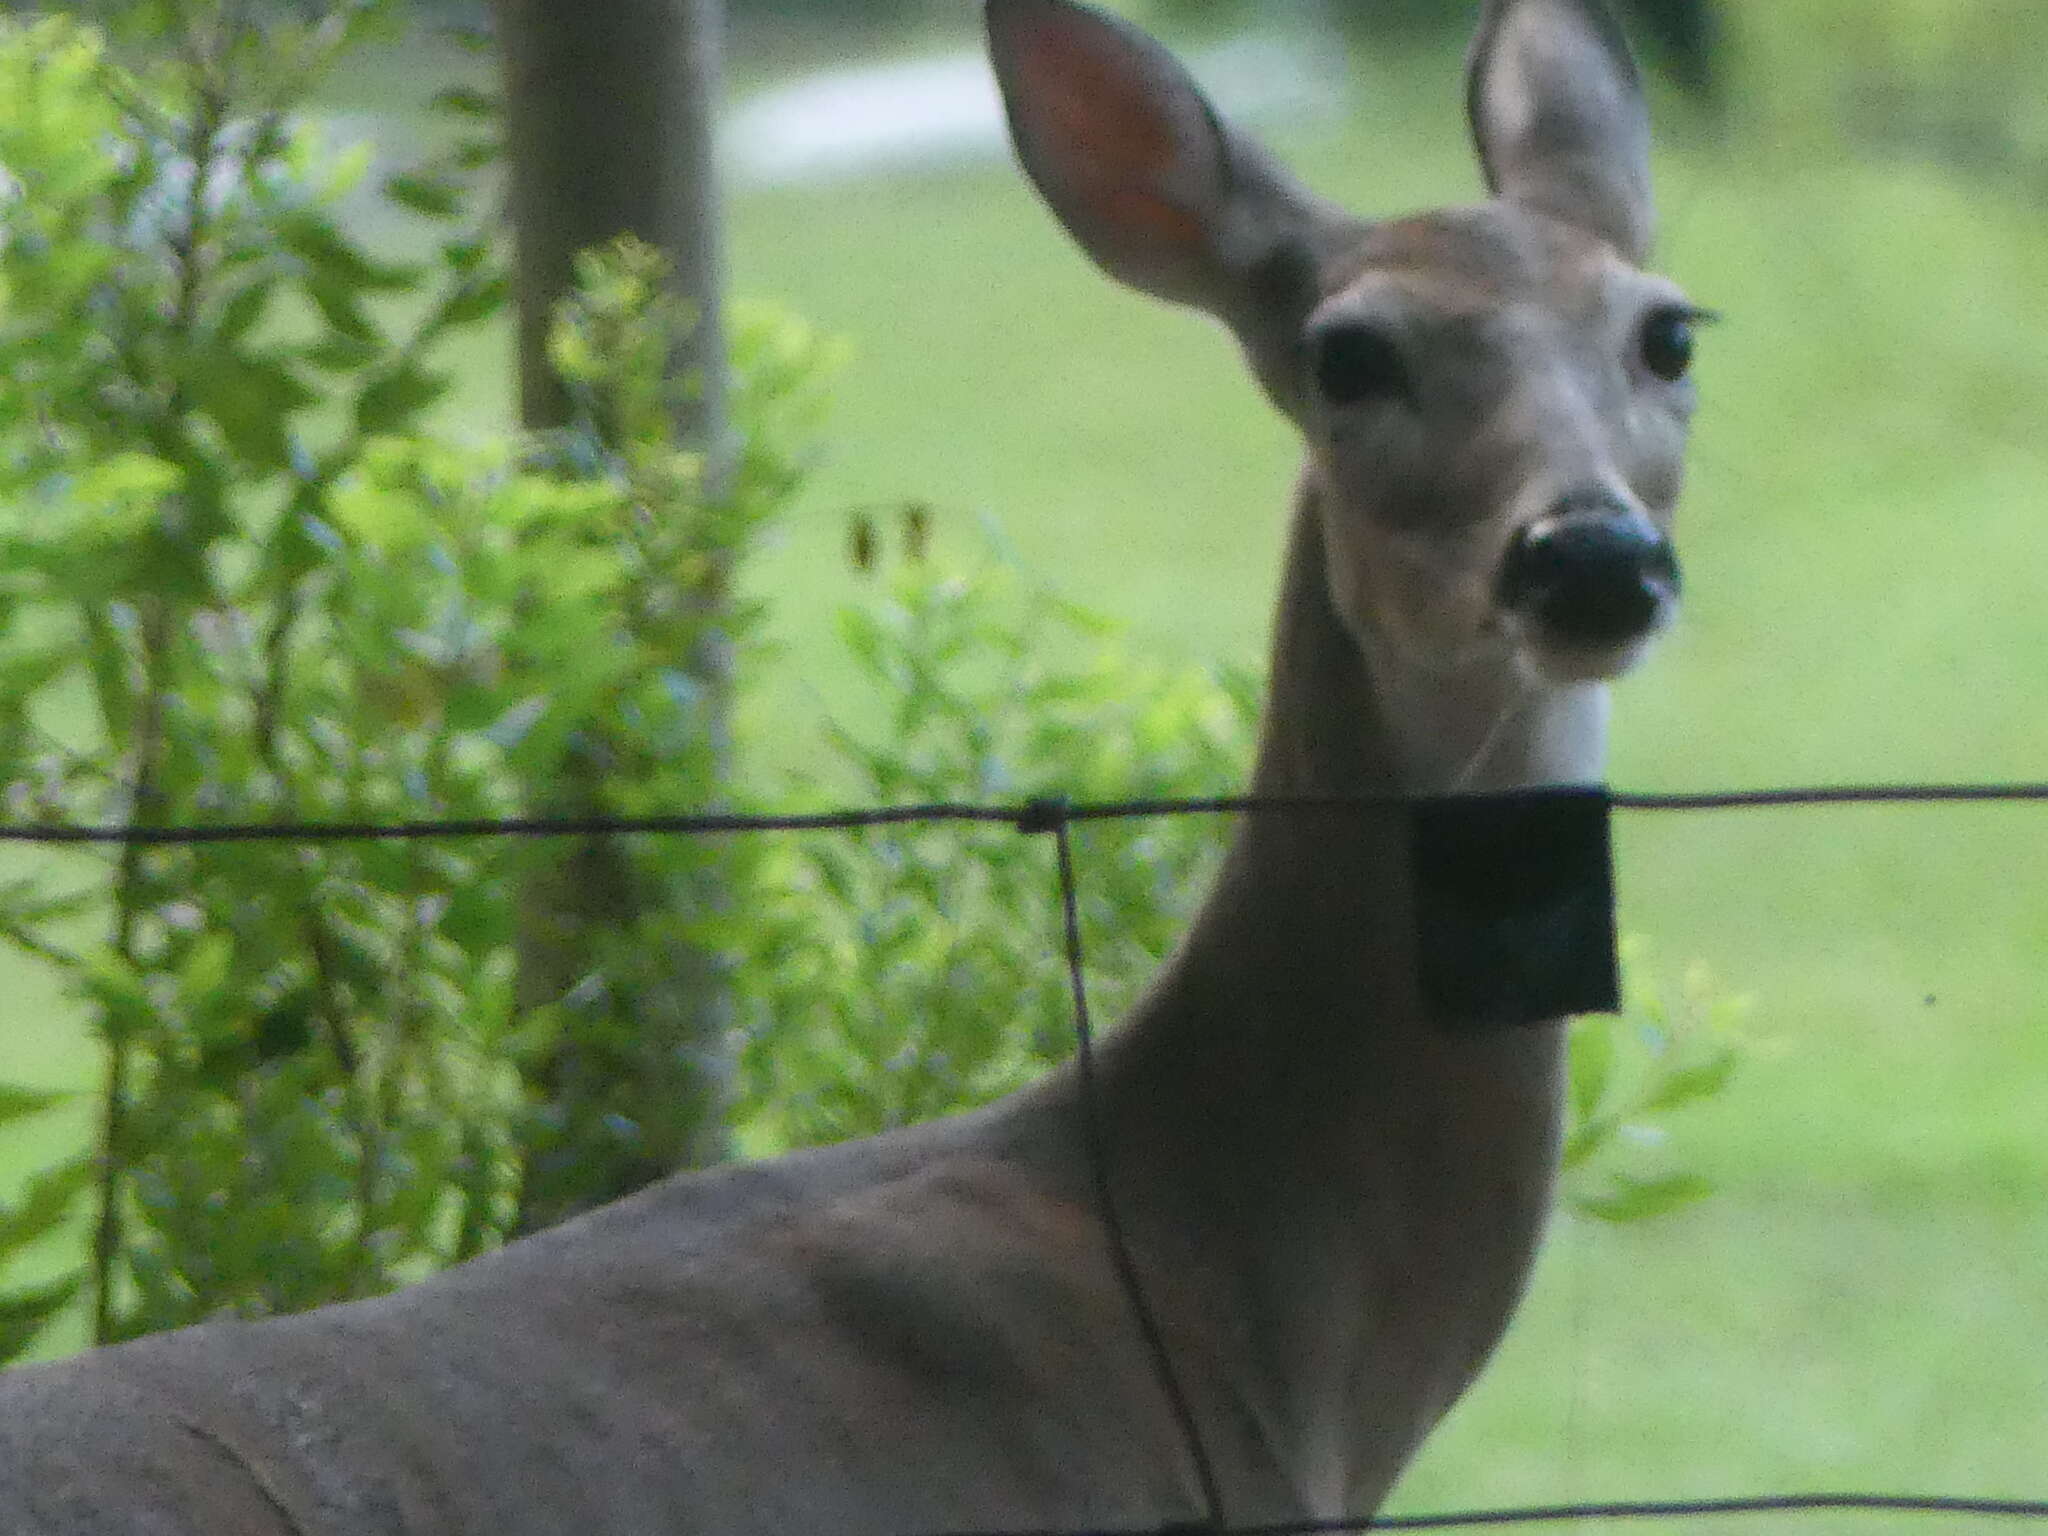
x=1476 y=261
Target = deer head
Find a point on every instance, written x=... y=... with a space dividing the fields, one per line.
x=1493 y=398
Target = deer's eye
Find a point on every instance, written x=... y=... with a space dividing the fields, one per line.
x=1667 y=342
x=1359 y=363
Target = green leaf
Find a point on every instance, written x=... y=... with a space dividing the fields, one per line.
x=391 y=401
x=379 y=516
x=465 y=101
x=292 y=552
x=240 y=314
x=465 y=255
x=475 y=301
x=1592 y=1065
x=25 y=1314
x=251 y=399
x=432 y=197
x=336 y=353
x=318 y=242
x=477 y=154
x=206 y=968
x=1586 y=1139
x=107 y=660
x=116 y=985
x=29 y=671
x=1634 y=1199
x=18 y=1103
x=45 y=1205
x=343 y=311
x=1688 y=1085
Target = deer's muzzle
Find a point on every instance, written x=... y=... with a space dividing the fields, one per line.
x=1590 y=577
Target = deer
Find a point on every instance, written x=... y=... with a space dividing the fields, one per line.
x=1330 y=1202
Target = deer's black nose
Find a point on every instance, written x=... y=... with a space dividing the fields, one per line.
x=1591 y=574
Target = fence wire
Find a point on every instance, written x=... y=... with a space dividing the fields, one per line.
x=1056 y=817
x=1036 y=816
x=1560 y=1514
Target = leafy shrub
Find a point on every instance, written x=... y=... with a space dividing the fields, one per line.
x=245 y=582
x=197 y=360
x=899 y=974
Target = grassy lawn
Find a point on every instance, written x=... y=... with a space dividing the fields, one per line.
x=1864 y=1304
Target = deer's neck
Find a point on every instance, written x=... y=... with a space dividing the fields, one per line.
x=1349 y=1194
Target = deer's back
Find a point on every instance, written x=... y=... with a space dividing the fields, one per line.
x=857 y=1348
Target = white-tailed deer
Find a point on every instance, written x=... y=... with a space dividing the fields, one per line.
x=1332 y=1204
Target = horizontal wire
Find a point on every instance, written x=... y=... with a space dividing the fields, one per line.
x=1680 y=1509
x=1838 y=794
x=1031 y=816
x=693 y=824
x=1555 y=1514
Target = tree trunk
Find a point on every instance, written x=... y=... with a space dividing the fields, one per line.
x=609 y=109
x=609 y=114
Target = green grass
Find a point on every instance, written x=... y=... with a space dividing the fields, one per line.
x=1862 y=1305
x=1807 y=1340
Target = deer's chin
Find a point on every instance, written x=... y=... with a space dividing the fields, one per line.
x=1563 y=661
x=1563 y=666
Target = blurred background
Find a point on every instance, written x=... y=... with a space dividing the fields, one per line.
x=1861 y=188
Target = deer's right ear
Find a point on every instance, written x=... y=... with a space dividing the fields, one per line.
x=1129 y=153
x=1557 y=111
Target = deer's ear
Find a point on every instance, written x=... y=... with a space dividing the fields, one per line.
x=1557 y=112
x=1129 y=153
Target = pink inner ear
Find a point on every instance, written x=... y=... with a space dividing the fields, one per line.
x=1098 y=125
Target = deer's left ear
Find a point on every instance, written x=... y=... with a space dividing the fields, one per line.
x=1135 y=161
x=1557 y=112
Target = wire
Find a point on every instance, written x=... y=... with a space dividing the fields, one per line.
x=1839 y=794
x=1676 y=1509
x=689 y=825
x=720 y=822
x=1555 y=1514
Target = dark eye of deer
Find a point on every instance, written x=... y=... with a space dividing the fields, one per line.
x=1358 y=363
x=1667 y=343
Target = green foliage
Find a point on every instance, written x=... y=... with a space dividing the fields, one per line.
x=901 y=974
x=305 y=1072
x=245 y=581
x=629 y=1082
x=1629 y=1073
